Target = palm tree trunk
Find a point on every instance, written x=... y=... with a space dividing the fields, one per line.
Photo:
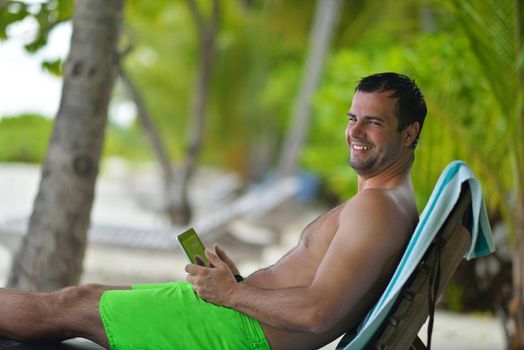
x=52 y=252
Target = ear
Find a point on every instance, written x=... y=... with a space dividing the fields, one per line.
x=410 y=133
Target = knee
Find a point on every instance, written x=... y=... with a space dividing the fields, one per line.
x=70 y=297
x=75 y=309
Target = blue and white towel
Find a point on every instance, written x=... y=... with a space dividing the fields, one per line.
x=442 y=200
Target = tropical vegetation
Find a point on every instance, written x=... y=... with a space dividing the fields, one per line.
x=466 y=56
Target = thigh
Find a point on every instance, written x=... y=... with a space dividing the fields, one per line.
x=171 y=317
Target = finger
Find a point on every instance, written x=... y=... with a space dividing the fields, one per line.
x=221 y=253
x=225 y=258
x=213 y=258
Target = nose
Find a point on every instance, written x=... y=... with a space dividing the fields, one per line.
x=356 y=129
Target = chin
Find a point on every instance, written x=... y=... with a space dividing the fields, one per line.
x=363 y=168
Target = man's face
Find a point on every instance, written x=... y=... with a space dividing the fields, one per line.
x=372 y=136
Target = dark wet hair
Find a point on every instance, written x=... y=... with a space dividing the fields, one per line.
x=411 y=106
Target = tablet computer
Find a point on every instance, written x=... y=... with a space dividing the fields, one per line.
x=192 y=247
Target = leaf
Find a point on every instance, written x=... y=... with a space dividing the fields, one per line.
x=11 y=12
x=53 y=66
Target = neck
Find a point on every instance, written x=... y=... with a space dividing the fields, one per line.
x=394 y=175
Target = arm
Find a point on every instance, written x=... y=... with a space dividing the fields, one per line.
x=352 y=264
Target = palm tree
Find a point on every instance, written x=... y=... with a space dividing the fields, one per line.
x=495 y=32
x=51 y=254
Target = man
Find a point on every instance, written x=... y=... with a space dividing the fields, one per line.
x=313 y=294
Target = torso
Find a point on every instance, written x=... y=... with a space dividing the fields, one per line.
x=298 y=268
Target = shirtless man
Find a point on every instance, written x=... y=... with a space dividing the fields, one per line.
x=313 y=294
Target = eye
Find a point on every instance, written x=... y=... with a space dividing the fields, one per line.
x=352 y=119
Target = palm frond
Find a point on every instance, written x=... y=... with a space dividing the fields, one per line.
x=489 y=25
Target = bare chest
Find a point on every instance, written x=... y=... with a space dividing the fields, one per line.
x=298 y=267
x=319 y=233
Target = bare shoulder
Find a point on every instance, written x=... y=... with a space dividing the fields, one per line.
x=379 y=213
x=372 y=198
x=372 y=202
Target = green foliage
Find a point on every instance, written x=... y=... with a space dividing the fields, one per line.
x=49 y=15
x=126 y=143
x=254 y=77
x=162 y=64
x=257 y=69
x=495 y=33
x=46 y=14
x=277 y=95
x=10 y=12
x=490 y=26
x=24 y=138
x=53 y=66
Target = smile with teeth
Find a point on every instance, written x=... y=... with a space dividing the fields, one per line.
x=361 y=147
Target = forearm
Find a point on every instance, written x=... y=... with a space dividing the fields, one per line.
x=290 y=309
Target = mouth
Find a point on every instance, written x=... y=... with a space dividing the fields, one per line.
x=360 y=147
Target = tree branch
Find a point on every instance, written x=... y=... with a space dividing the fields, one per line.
x=197 y=16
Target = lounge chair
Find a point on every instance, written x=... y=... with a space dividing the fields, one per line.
x=453 y=225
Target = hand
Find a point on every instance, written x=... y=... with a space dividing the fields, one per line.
x=225 y=258
x=213 y=284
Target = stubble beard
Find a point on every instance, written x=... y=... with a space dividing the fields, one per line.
x=362 y=167
x=374 y=162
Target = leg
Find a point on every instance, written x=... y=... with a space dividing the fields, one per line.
x=67 y=313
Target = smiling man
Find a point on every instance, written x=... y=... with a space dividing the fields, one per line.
x=344 y=259
x=313 y=294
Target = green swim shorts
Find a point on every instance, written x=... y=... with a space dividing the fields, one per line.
x=171 y=316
